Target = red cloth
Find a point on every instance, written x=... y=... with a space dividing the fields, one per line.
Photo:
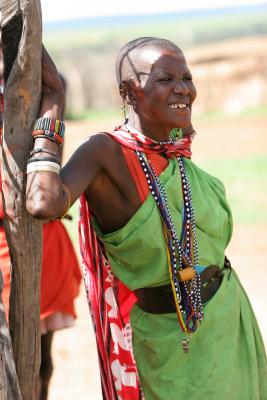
x=159 y=163
x=5 y=268
x=110 y=301
x=61 y=275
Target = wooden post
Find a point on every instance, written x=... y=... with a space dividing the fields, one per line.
x=21 y=41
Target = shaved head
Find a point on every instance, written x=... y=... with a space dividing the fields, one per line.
x=132 y=57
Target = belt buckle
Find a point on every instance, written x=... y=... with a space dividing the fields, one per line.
x=211 y=279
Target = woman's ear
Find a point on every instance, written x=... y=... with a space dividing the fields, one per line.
x=128 y=92
x=123 y=90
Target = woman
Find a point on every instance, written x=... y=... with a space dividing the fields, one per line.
x=154 y=228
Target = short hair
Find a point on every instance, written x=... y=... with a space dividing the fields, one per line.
x=128 y=54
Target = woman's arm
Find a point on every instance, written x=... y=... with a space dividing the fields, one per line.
x=46 y=195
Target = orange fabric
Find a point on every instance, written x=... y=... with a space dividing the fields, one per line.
x=5 y=268
x=159 y=163
x=4 y=256
x=1 y=199
x=61 y=275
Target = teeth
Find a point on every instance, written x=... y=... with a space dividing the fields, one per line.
x=180 y=105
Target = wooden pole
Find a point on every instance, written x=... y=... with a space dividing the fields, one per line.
x=21 y=41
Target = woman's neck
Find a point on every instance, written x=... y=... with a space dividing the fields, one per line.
x=151 y=131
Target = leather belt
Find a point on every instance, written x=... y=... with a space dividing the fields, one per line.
x=159 y=300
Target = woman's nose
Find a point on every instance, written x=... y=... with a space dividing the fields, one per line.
x=181 y=87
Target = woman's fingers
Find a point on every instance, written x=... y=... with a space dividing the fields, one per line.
x=50 y=76
x=53 y=96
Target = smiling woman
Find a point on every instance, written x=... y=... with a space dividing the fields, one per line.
x=153 y=232
x=163 y=92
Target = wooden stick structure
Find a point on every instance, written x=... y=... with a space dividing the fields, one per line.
x=21 y=27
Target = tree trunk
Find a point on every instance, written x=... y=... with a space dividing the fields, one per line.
x=21 y=41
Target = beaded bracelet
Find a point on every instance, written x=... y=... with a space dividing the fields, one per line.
x=68 y=193
x=49 y=128
x=48 y=135
x=51 y=125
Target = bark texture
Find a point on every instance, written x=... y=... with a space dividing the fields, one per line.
x=21 y=41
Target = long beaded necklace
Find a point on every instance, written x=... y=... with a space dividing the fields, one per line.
x=182 y=254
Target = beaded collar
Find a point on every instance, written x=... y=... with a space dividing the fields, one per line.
x=132 y=138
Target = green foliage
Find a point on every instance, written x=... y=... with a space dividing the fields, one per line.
x=246 y=186
x=72 y=226
x=93 y=115
x=216 y=115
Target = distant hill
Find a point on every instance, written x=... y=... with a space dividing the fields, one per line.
x=188 y=28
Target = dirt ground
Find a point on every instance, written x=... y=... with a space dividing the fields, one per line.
x=75 y=360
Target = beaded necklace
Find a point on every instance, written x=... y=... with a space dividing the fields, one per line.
x=182 y=253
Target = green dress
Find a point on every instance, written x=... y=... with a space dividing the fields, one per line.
x=226 y=359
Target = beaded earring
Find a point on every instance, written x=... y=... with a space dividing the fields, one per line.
x=123 y=94
x=124 y=117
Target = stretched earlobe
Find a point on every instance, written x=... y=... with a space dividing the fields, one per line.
x=123 y=89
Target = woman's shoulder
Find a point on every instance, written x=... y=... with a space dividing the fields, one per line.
x=99 y=144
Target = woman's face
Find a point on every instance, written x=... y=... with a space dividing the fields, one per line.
x=165 y=91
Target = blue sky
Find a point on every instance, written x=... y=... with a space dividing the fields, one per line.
x=67 y=9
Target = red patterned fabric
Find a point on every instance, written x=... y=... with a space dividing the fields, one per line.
x=135 y=140
x=106 y=298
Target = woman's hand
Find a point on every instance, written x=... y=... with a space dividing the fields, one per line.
x=53 y=96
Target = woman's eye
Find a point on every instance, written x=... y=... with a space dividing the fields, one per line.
x=167 y=79
x=187 y=78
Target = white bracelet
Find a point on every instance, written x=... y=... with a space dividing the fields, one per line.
x=36 y=167
x=44 y=164
x=50 y=163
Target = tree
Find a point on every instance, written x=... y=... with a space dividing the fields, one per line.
x=22 y=48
